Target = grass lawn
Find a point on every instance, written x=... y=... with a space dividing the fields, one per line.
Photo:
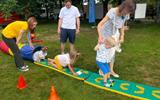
x=139 y=62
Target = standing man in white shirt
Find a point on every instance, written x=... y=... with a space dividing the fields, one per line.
x=68 y=24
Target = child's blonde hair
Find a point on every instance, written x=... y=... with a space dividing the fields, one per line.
x=110 y=41
x=73 y=56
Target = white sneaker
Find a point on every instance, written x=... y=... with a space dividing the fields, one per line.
x=27 y=66
x=115 y=75
x=107 y=85
x=23 y=69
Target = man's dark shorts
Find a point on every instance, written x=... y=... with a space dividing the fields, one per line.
x=67 y=33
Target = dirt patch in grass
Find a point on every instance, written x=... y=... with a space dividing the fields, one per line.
x=49 y=38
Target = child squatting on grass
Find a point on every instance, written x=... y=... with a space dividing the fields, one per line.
x=65 y=60
x=103 y=58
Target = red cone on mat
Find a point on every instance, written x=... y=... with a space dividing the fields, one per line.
x=21 y=83
x=53 y=94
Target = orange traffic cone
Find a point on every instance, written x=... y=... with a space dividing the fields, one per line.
x=53 y=94
x=21 y=83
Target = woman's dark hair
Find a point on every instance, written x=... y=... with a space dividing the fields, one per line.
x=128 y=5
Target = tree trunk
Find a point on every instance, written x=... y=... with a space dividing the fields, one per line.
x=47 y=10
x=105 y=7
x=158 y=11
x=60 y=2
x=120 y=1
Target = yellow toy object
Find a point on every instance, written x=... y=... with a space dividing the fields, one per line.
x=125 y=88
x=10 y=52
x=58 y=63
x=20 y=45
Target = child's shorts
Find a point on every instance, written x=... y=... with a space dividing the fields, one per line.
x=104 y=67
x=58 y=63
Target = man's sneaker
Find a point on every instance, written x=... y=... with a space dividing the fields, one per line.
x=23 y=68
x=26 y=66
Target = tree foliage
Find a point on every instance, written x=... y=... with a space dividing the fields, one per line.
x=158 y=11
x=26 y=7
x=7 y=6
